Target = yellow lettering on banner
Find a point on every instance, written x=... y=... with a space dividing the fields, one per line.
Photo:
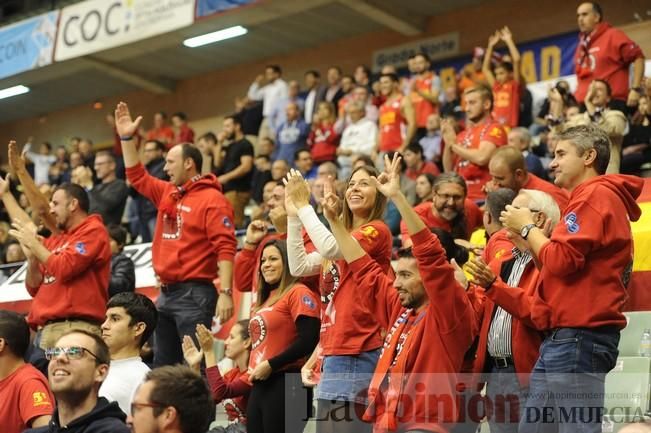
x=528 y=67
x=448 y=77
x=550 y=62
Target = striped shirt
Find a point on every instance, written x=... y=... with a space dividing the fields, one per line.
x=499 y=334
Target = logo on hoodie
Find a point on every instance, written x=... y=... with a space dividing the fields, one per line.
x=571 y=223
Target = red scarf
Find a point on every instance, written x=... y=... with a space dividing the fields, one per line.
x=169 y=204
x=584 y=70
x=395 y=362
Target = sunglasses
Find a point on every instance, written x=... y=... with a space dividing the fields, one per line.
x=72 y=352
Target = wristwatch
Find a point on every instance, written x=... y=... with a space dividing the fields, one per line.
x=524 y=231
x=226 y=291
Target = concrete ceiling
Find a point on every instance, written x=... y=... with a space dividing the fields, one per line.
x=275 y=27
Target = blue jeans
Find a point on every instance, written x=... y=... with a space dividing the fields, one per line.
x=566 y=391
x=180 y=308
x=347 y=377
x=506 y=396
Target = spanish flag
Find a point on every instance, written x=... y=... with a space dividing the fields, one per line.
x=639 y=288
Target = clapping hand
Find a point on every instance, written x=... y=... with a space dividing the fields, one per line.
x=481 y=273
x=297 y=190
x=191 y=354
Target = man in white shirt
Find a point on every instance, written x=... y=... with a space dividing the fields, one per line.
x=130 y=320
x=269 y=89
x=358 y=138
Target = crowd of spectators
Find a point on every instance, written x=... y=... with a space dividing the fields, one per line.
x=392 y=153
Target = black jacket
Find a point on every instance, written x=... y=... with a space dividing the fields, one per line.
x=108 y=200
x=104 y=418
x=123 y=275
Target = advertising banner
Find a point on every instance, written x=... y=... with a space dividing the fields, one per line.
x=97 y=25
x=211 y=7
x=27 y=44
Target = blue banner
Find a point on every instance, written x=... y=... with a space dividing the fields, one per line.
x=27 y=44
x=541 y=60
x=211 y=7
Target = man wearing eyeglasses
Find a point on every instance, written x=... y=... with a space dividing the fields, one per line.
x=172 y=399
x=79 y=363
x=450 y=209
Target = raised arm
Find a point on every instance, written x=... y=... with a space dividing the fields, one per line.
x=127 y=129
x=507 y=37
x=11 y=205
x=486 y=66
x=40 y=204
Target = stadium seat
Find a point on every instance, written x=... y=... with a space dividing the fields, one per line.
x=628 y=392
x=629 y=341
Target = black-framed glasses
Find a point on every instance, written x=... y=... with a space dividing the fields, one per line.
x=447 y=197
x=72 y=352
x=136 y=405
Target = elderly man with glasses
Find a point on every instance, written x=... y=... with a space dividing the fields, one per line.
x=79 y=363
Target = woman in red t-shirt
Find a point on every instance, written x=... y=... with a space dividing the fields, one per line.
x=233 y=388
x=323 y=139
x=284 y=330
x=351 y=319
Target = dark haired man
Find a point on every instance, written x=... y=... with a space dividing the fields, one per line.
x=123 y=274
x=194 y=236
x=24 y=392
x=606 y=53
x=67 y=273
x=79 y=363
x=130 y=320
x=183 y=133
x=234 y=162
x=269 y=88
x=424 y=91
x=469 y=152
x=172 y=399
x=587 y=257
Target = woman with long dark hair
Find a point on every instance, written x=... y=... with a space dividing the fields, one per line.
x=284 y=330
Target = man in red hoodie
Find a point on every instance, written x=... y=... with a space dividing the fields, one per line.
x=605 y=53
x=67 y=273
x=414 y=384
x=581 y=289
x=194 y=237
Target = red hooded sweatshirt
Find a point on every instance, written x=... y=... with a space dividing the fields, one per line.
x=605 y=55
x=75 y=276
x=194 y=228
x=424 y=349
x=589 y=254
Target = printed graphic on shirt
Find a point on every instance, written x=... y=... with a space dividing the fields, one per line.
x=40 y=399
x=571 y=222
x=80 y=247
x=258 y=331
x=495 y=132
x=308 y=302
x=227 y=222
x=172 y=226
x=369 y=233
x=329 y=283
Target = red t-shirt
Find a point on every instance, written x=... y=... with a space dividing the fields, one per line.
x=25 y=395
x=474 y=218
x=232 y=390
x=422 y=106
x=349 y=320
x=185 y=135
x=273 y=328
x=323 y=142
x=475 y=175
x=506 y=103
x=608 y=56
x=391 y=121
x=427 y=167
x=75 y=276
x=164 y=134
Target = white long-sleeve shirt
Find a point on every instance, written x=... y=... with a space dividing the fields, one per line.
x=300 y=262
x=270 y=94
x=42 y=165
x=360 y=138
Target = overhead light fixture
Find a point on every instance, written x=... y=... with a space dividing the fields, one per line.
x=219 y=35
x=13 y=91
